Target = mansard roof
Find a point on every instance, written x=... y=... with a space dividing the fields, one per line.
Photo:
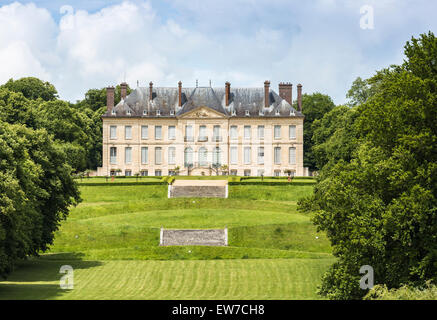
x=164 y=103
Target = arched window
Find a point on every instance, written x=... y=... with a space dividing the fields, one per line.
x=188 y=157
x=203 y=157
x=217 y=156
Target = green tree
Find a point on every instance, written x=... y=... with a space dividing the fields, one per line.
x=32 y=88
x=36 y=192
x=314 y=106
x=380 y=208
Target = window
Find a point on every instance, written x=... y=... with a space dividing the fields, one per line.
x=144 y=155
x=260 y=132
x=171 y=155
x=158 y=132
x=277 y=132
x=216 y=133
x=233 y=172
x=128 y=112
x=260 y=173
x=144 y=173
x=128 y=132
x=277 y=173
x=247 y=113
x=128 y=155
x=292 y=132
x=277 y=112
x=189 y=133
x=128 y=173
x=158 y=155
x=202 y=133
x=113 y=132
x=277 y=155
x=158 y=173
x=113 y=155
x=172 y=112
x=292 y=155
x=246 y=132
x=234 y=112
x=260 y=155
x=158 y=112
x=144 y=132
x=203 y=157
x=234 y=132
x=188 y=157
x=113 y=112
x=144 y=112
x=216 y=156
x=247 y=152
x=234 y=155
x=247 y=173
x=171 y=132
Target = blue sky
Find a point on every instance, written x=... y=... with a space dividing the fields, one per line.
x=78 y=45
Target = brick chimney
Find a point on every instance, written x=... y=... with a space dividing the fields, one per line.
x=227 y=92
x=151 y=91
x=123 y=90
x=110 y=98
x=266 y=93
x=286 y=92
x=299 y=97
x=180 y=93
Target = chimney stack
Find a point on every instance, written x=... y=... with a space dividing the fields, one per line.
x=123 y=90
x=228 y=92
x=299 y=97
x=151 y=91
x=110 y=98
x=180 y=93
x=286 y=92
x=266 y=93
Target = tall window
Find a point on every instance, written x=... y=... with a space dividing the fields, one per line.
x=128 y=132
x=260 y=155
x=113 y=155
x=203 y=156
x=188 y=157
x=202 y=133
x=292 y=132
x=158 y=155
x=158 y=132
x=144 y=132
x=292 y=155
x=247 y=152
x=216 y=156
x=234 y=132
x=171 y=155
x=234 y=155
x=260 y=132
x=277 y=130
x=189 y=133
x=128 y=155
x=144 y=155
x=171 y=132
x=277 y=155
x=246 y=132
x=113 y=132
x=216 y=133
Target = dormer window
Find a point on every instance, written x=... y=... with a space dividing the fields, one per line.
x=113 y=112
x=128 y=112
x=144 y=112
x=234 y=112
x=158 y=112
x=247 y=113
x=292 y=112
x=277 y=113
x=172 y=112
x=261 y=113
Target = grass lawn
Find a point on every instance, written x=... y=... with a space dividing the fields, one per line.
x=274 y=251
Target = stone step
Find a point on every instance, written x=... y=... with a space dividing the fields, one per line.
x=193 y=237
x=198 y=191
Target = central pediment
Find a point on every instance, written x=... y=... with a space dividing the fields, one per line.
x=202 y=113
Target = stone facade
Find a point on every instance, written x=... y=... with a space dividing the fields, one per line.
x=252 y=131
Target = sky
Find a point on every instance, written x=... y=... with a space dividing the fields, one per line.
x=322 y=44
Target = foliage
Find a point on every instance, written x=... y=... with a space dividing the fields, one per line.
x=314 y=106
x=36 y=190
x=32 y=88
x=379 y=207
x=381 y=292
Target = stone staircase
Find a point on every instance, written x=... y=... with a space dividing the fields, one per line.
x=194 y=237
x=197 y=191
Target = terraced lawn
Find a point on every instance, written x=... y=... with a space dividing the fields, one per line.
x=114 y=235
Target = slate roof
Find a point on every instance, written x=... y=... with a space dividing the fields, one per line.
x=165 y=100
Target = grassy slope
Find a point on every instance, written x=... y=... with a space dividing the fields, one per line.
x=122 y=223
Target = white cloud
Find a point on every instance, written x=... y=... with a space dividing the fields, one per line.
x=317 y=43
